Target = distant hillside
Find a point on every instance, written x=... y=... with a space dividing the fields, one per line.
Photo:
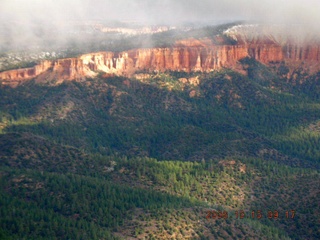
x=131 y=145
x=56 y=191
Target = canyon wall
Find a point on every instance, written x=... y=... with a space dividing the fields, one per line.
x=14 y=77
x=185 y=56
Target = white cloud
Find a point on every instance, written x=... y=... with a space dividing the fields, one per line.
x=25 y=17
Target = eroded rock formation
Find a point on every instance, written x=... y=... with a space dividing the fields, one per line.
x=187 y=55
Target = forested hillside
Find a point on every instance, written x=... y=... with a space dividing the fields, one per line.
x=177 y=155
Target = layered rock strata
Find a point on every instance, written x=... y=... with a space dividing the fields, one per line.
x=186 y=56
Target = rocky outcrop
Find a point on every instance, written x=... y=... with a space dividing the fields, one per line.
x=309 y=53
x=187 y=55
x=14 y=77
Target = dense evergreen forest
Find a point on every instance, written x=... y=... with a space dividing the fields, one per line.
x=157 y=155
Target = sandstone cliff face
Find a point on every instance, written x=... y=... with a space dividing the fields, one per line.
x=14 y=77
x=302 y=53
x=162 y=59
x=186 y=56
x=68 y=69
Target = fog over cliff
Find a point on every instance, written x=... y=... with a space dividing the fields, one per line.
x=162 y=11
x=31 y=21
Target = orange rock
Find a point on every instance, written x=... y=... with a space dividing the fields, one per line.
x=26 y=73
x=187 y=55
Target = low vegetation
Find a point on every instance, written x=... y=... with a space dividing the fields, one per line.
x=96 y=160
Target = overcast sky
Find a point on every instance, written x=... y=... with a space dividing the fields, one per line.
x=158 y=11
x=23 y=15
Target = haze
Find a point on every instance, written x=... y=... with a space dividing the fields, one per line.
x=27 y=21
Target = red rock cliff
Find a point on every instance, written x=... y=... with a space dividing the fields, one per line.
x=14 y=77
x=188 y=55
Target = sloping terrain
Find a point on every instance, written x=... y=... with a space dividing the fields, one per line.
x=187 y=116
x=142 y=197
x=228 y=124
x=163 y=155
